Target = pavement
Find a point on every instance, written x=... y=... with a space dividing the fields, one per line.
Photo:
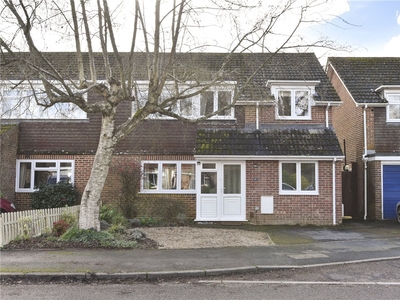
x=294 y=247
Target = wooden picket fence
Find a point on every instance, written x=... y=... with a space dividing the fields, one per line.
x=30 y=223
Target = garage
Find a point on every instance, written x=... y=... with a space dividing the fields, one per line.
x=391 y=190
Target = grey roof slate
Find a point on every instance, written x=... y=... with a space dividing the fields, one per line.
x=269 y=142
x=362 y=75
x=280 y=66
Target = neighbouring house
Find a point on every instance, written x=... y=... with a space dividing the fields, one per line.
x=273 y=158
x=368 y=127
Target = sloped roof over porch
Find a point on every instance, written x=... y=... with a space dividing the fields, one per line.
x=296 y=142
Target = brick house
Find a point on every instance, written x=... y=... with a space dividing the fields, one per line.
x=273 y=158
x=368 y=123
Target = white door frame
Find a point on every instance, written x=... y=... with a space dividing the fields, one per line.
x=216 y=205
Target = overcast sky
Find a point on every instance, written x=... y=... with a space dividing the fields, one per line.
x=371 y=27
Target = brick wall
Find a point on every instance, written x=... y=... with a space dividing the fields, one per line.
x=266 y=115
x=374 y=202
x=348 y=124
x=112 y=188
x=8 y=154
x=263 y=180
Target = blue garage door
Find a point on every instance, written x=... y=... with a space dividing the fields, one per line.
x=391 y=190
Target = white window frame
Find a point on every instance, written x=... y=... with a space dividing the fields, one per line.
x=388 y=96
x=56 y=168
x=293 y=85
x=29 y=109
x=298 y=190
x=225 y=87
x=159 y=189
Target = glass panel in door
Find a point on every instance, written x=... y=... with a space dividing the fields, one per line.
x=232 y=179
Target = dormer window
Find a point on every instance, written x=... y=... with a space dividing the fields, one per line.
x=293 y=103
x=293 y=100
x=201 y=104
x=393 y=108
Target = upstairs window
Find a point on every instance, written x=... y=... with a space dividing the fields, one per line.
x=211 y=101
x=293 y=99
x=293 y=104
x=199 y=105
x=20 y=103
x=393 y=108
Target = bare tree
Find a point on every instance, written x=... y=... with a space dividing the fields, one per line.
x=172 y=30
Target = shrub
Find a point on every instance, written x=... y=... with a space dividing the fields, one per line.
x=75 y=234
x=54 y=195
x=60 y=227
x=69 y=218
x=112 y=215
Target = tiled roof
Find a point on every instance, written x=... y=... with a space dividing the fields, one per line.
x=269 y=142
x=196 y=67
x=362 y=75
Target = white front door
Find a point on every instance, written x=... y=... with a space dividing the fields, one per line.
x=221 y=192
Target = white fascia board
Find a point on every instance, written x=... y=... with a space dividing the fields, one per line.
x=253 y=157
x=330 y=103
x=293 y=82
x=252 y=103
x=384 y=158
x=387 y=87
x=369 y=105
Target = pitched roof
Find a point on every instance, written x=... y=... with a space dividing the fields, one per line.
x=269 y=142
x=192 y=66
x=362 y=75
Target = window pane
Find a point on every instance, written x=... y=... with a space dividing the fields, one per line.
x=224 y=99
x=231 y=179
x=301 y=103
x=169 y=176
x=284 y=103
x=25 y=175
x=206 y=103
x=394 y=111
x=289 y=176
x=45 y=165
x=208 y=182
x=44 y=177
x=188 y=177
x=186 y=107
x=209 y=166
x=308 y=177
x=150 y=172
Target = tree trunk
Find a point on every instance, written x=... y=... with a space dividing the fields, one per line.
x=90 y=202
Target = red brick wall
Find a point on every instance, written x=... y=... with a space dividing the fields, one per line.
x=296 y=209
x=112 y=188
x=348 y=124
x=374 y=202
x=266 y=115
x=8 y=154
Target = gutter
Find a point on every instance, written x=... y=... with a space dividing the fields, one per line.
x=365 y=160
x=334 y=191
x=327 y=114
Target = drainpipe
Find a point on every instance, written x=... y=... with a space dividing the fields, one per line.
x=365 y=160
x=334 y=191
x=327 y=114
x=257 y=121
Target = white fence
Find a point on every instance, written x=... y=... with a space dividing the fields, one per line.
x=31 y=222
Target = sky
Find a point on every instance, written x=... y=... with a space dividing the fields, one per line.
x=371 y=27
